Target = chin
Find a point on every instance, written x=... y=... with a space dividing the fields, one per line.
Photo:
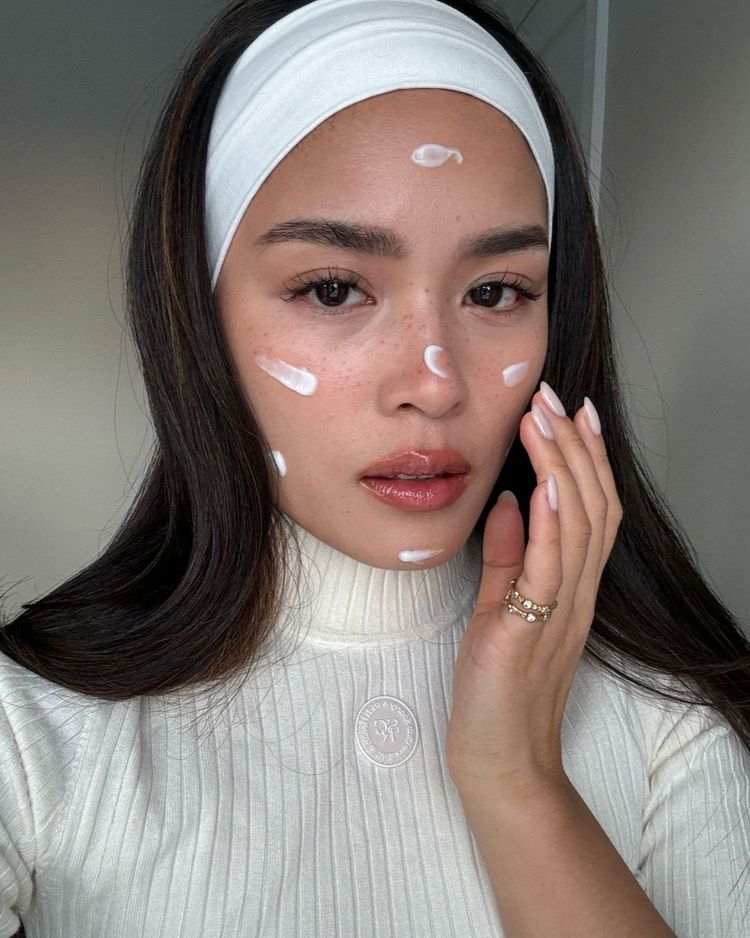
x=417 y=549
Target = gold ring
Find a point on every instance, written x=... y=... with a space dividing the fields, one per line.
x=529 y=610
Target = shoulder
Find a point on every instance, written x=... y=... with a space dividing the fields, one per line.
x=43 y=730
x=31 y=703
x=652 y=717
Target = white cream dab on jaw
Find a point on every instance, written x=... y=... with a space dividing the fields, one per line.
x=417 y=556
x=430 y=354
x=298 y=379
x=514 y=374
x=280 y=461
x=434 y=154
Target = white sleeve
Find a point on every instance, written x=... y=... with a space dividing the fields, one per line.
x=695 y=845
x=17 y=846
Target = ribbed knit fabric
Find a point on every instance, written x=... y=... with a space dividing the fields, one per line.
x=315 y=801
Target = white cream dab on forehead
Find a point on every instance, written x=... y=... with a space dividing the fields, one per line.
x=514 y=374
x=430 y=354
x=280 y=461
x=298 y=379
x=417 y=556
x=434 y=154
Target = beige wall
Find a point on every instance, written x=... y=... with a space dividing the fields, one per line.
x=82 y=84
x=675 y=211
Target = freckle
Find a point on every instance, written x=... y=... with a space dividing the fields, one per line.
x=434 y=154
x=514 y=374
x=417 y=556
x=430 y=354
x=297 y=379
x=280 y=461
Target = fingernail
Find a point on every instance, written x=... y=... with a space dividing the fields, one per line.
x=592 y=416
x=508 y=494
x=552 y=399
x=541 y=421
x=552 y=491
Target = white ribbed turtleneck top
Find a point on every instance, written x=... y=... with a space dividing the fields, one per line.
x=315 y=800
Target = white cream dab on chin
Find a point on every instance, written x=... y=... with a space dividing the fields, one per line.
x=514 y=374
x=280 y=461
x=297 y=379
x=417 y=556
x=430 y=354
x=434 y=154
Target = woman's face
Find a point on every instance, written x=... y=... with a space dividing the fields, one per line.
x=428 y=351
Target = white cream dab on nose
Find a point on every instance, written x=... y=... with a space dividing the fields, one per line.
x=417 y=556
x=514 y=374
x=280 y=461
x=430 y=354
x=434 y=154
x=298 y=379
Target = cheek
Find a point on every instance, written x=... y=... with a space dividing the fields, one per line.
x=514 y=368
x=306 y=400
x=505 y=383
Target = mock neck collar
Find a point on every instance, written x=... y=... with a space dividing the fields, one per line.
x=330 y=598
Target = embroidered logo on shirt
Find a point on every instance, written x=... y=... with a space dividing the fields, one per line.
x=386 y=731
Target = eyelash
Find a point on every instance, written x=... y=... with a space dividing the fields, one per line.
x=305 y=285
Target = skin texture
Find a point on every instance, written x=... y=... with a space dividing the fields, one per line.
x=375 y=394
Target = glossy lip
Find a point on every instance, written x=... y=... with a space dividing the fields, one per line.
x=448 y=466
x=417 y=495
x=419 y=462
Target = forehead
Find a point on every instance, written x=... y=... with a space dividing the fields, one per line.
x=385 y=122
x=362 y=153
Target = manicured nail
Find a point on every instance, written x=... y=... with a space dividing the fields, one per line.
x=508 y=494
x=541 y=421
x=592 y=416
x=552 y=491
x=550 y=398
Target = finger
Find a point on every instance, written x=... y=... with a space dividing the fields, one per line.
x=576 y=454
x=540 y=579
x=589 y=427
x=575 y=528
x=502 y=553
x=602 y=503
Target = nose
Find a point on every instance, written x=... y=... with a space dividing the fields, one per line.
x=424 y=372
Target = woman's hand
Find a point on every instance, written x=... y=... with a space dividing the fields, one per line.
x=512 y=677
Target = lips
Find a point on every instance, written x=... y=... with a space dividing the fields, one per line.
x=418 y=462
x=447 y=472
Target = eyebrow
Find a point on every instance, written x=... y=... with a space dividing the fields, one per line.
x=384 y=242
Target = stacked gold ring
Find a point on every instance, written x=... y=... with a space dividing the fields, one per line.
x=527 y=609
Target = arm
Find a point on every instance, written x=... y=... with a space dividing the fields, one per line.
x=553 y=870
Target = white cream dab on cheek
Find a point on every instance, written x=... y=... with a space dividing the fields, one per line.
x=280 y=461
x=417 y=556
x=430 y=354
x=434 y=154
x=297 y=379
x=514 y=374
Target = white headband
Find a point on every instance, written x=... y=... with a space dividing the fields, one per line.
x=329 y=54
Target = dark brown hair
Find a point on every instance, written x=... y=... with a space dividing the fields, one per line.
x=186 y=591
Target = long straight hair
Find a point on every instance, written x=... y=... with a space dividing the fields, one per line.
x=187 y=590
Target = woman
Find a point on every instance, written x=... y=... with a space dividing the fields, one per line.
x=362 y=240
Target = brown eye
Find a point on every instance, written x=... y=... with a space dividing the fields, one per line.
x=491 y=293
x=329 y=291
x=492 y=296
x=332 y=292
